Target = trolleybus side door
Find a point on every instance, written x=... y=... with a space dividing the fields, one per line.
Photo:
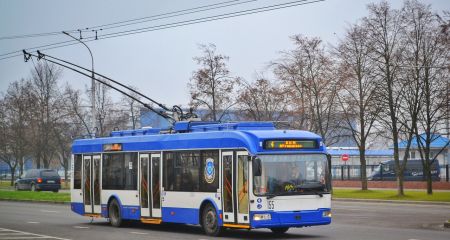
x=144 y=186
x=156 y=185
x=242 y=184
x=150 y=182
x=91 y=184
x=228 y=187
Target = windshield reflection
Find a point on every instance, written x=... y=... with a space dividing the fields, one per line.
x=292 y=175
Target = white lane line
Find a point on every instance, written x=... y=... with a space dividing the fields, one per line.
x=33 y=222
x=49 y=211
x=11 y=233
x=33 y=235
x=80 y=227
x=139 y=233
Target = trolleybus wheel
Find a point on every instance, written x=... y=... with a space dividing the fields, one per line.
x=210 y=221
x=280 y=230
x=115 y=217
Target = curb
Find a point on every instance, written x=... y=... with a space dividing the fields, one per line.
x=33 y=201
x=390 y=201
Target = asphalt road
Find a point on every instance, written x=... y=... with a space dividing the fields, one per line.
x=351 y=220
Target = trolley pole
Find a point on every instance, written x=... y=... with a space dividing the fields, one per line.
x=93 y=110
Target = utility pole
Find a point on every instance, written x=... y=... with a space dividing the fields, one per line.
x=94 y=110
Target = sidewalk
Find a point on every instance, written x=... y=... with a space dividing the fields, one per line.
x=416 y=189
x=389 y=201
x=391 y=184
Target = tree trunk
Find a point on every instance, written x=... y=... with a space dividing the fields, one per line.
x=429 y=181
x=362 y=159
x=400 y=191
x=13 y=171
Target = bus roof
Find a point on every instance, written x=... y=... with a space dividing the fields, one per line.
x=248 y=135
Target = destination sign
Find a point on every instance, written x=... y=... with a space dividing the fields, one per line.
x=289 y=144
x=112 y=147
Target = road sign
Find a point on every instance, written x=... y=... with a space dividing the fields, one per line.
x=345 y=157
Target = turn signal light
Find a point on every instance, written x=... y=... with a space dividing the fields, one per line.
x=39 y=180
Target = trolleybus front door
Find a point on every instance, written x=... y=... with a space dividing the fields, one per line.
x=235 y=187
x=91 y=184
x=149 y=178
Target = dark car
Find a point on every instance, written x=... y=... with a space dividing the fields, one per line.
x=39 y=180
x=413 y=171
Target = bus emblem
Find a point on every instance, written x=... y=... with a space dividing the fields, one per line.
x=209 y=170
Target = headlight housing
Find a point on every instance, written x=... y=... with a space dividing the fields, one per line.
x=326 y=213
x=259 y=217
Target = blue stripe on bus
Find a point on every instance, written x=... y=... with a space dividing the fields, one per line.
x=180 y=215
x=77 y=207
x=291 y=218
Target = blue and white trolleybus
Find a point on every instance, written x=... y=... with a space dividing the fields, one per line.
x=219 y=175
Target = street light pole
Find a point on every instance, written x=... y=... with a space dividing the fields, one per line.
x=94 y=111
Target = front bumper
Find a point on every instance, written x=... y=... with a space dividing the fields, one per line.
x=291 y=219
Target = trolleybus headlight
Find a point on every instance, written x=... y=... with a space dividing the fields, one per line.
x=326 y=214
x=258 y=217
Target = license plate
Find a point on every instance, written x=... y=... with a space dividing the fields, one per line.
x=50 y=181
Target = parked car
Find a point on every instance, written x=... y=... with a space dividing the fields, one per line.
x=39 y=180
x=413 y=171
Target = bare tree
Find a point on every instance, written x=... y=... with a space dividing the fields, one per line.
x=426 y=54
x=6 y=153
x=359 y=90
x=46 y=111
x=212 y=85
x=262 y=100
x=308 y=74
x=384 y=28
x=133 y=108
x=15 y=120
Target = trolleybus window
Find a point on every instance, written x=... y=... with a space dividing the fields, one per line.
x=119 y=171
x=292 y=175
x=77 y=171
x=195 y=171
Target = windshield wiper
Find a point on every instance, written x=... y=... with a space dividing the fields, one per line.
x=270 y=196
x=313 y=187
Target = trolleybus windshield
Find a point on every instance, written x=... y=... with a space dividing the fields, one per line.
x=299 y=174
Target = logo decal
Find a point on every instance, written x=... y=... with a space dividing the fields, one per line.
x=210 y=171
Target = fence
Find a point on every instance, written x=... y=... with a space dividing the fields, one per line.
x=353 y=172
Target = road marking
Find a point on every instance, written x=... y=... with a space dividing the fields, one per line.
x=33 y=222
x=49 y=211
x=11 y=233
x=32 y=235
x=38 y=237
x=80 y=227
x=140 y=233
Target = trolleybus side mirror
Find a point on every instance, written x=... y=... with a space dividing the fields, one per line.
x=257 y=168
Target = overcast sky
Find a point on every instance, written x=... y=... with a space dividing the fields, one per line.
x=159 y=63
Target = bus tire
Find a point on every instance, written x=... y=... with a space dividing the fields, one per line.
x=210 y=221
x=280 y=230
x=115 y=217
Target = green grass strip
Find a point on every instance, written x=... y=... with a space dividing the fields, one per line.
x=391 y=195
x=34 y=196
